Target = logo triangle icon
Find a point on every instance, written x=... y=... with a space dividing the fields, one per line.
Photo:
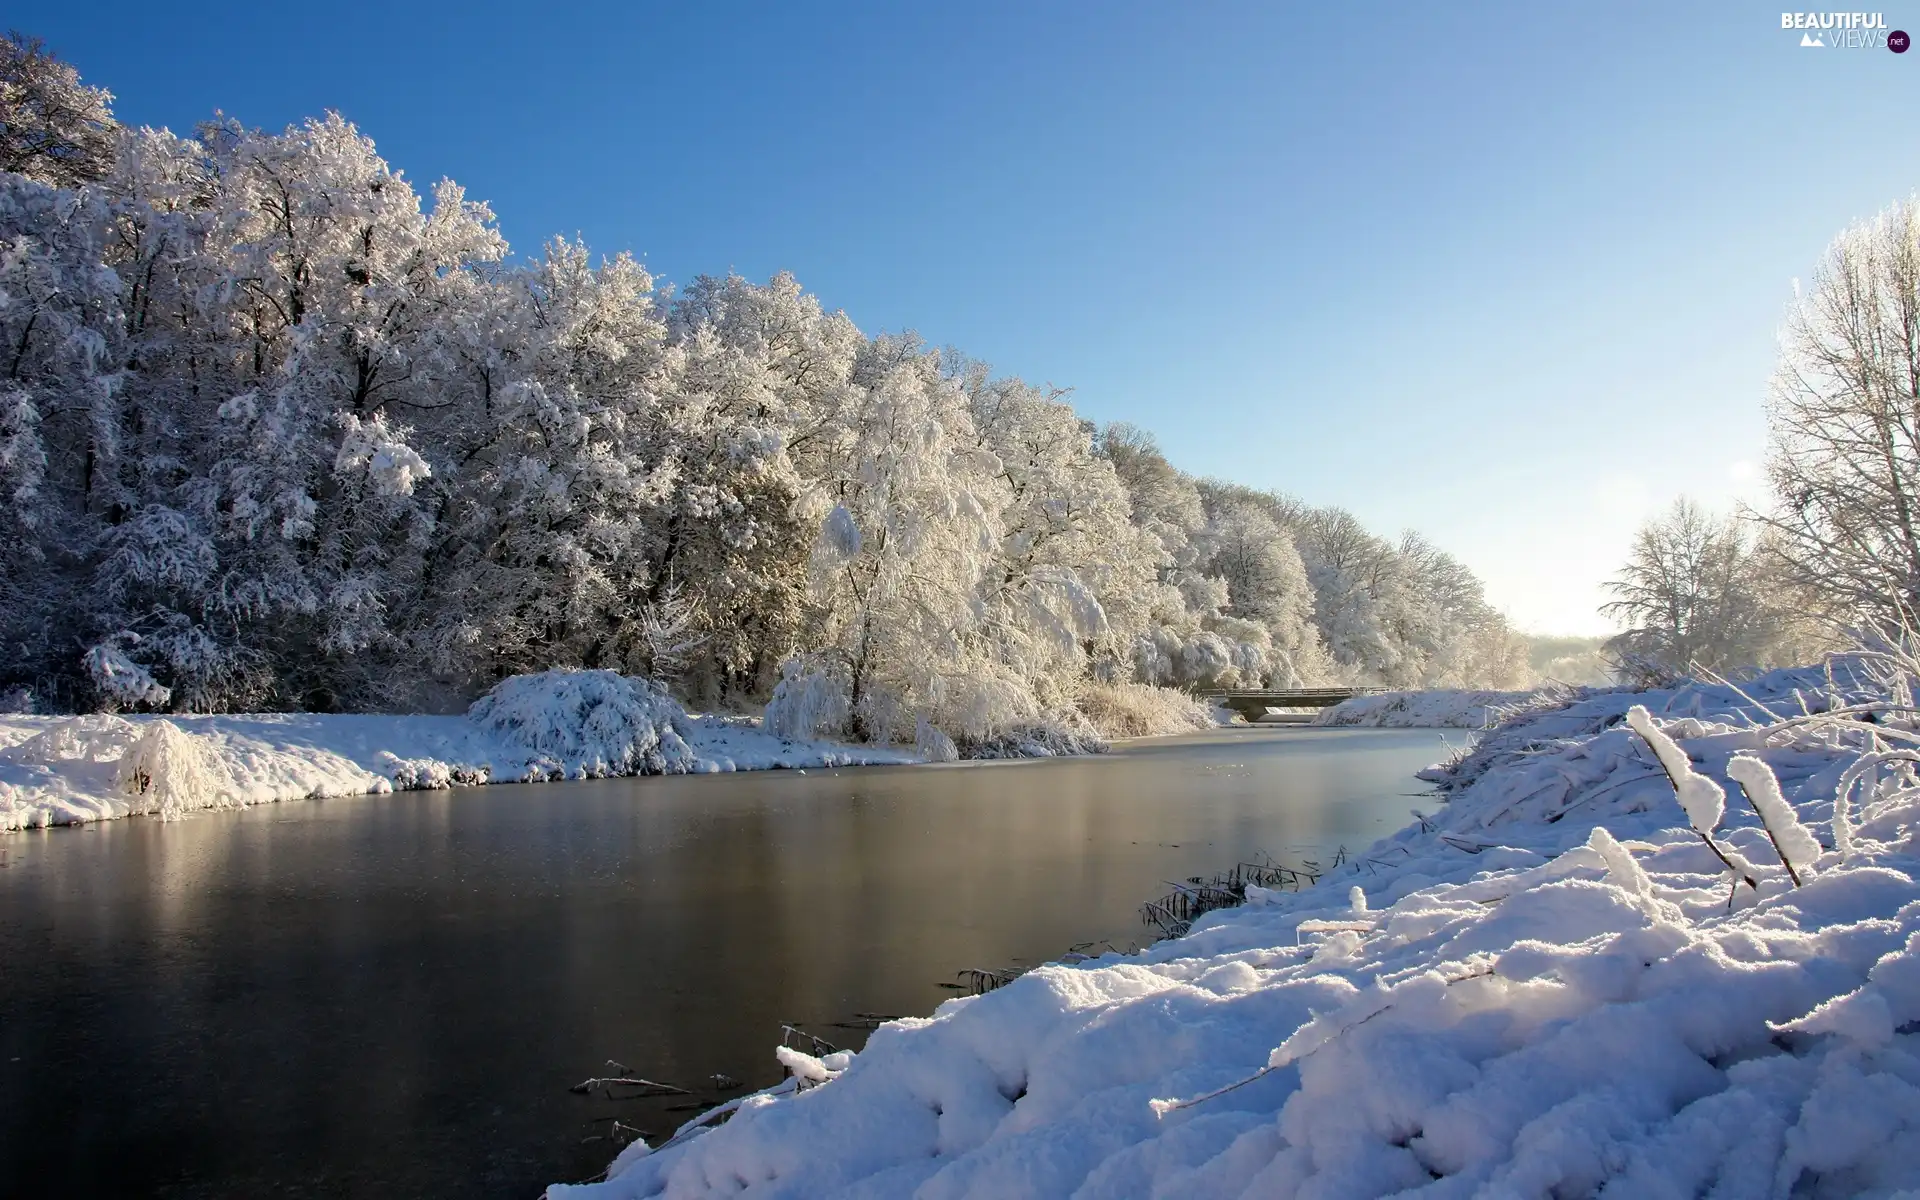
x=1808 y=39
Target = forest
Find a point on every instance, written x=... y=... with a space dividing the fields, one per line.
x=281 y=431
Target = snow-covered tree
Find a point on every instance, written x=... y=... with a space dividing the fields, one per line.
x=62 y=329
x=905 y=539
x=53 y=128
x=1701 y=592
x=1248 y=550
x=1844 y=424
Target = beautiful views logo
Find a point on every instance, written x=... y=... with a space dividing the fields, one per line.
x=1849 y=31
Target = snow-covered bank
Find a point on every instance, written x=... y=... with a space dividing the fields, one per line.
x=562 y=725
x=1551 y=987
x=1441 y=708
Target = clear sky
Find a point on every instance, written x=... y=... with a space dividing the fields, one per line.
x=1509 y=275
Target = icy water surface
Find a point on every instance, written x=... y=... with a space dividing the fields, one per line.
x=391 y=995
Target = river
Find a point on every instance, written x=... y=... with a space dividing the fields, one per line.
x=391 y=995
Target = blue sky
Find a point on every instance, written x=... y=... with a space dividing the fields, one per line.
x=1509 y=275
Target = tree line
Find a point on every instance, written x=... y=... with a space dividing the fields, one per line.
x=279 y=431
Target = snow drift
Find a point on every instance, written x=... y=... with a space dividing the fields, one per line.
x=1553 y=986
x=1443 y=708
x=531 y=728
x=589 y=723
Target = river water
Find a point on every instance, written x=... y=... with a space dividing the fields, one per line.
x=391 y=995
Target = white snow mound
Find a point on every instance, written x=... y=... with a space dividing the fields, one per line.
x=1439 y=708
x=556 y=725
x=588 y=724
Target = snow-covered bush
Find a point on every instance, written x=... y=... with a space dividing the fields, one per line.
x=933 y=745
x=1046 y=737
x=589 y=723
x=119 y=679
x=427 y=774
x=810 y=701
x=1119 y=710
x=172 y=772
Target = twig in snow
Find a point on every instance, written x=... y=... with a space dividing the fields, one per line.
x=1790 y=838
x=1570 y=805
x=1700 y=798
x=820 y=1045
x=983 y=980
x=1739 y=875
x=1162 y=1107
x=790 y=1084
x=648 y=1087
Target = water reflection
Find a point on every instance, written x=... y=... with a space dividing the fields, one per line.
x=393 y=993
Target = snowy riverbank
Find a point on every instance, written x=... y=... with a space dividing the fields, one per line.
x=1551 y=986
x=1440 y=708
x=529 y=729
x=64 y=770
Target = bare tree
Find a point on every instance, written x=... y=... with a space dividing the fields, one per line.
x=53 y=128
x=1694 y=594
x=1845 y=424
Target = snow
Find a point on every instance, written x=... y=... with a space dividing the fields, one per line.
x=172 y=771
x=933 y=745
x=589 y=723
x=1440 y=708
x=1792 y=840
x=811 y=699
x=64 y=770
x=1704 y=801
x=1549 y=987
x=840 y=533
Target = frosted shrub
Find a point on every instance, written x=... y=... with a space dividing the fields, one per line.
x=1045 y=737
x=589 y=723
x=119 y=678
x=933 y=745
x=172 y=772
x=811 y=700
x=1141 y=710
x=427 y=774
x=983 y=704
x=882 y=714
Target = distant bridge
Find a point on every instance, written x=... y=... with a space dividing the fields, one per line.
x=1254 y=705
